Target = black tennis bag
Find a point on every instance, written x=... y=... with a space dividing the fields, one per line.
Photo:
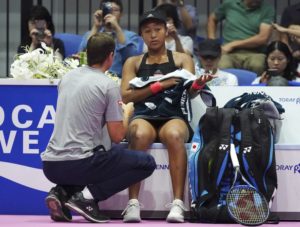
x=210 y=170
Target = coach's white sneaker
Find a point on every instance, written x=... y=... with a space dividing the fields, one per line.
x=176 y=213
x=132 y=211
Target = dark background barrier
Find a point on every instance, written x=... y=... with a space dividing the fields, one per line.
x=75 y=16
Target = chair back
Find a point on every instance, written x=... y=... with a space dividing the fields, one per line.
x=245 y=77
x=294 y=83
x=71 y=42
x=290 y=83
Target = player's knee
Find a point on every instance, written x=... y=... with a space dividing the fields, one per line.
x=174 y=137
x=137 y=133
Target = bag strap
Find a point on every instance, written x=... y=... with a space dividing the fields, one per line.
x=245 y=124
x=219 y=120
x=225 y=116
x=247 y=117
x=211 y=117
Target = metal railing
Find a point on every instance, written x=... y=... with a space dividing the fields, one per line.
x=75 y=16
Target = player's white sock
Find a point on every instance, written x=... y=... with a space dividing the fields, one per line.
x=87 y=194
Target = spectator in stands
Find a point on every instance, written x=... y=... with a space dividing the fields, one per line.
x=157 y=114
x=289 y=29
x=79 y=157
x=279 y=63
x=246 y=32
x=290 y=16
x=288 y=34
x=174 y=41
x=210 y=54
x=291 y=36
x=107 y=19
x=40 y=29
x=187 y=16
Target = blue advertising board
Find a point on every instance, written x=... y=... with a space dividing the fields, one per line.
x=27 y=116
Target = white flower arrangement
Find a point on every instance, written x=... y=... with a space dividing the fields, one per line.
x=41 y=64
x=46 y=64
x=114 y=77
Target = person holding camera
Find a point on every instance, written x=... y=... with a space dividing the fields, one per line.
x=187 y=16
x=40 y=29
x=280 y=66
x=107 y=19
x=188 y=19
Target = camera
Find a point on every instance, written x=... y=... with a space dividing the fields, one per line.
x=273 y=72
x=40 y=34
x=106 y=8
x=40 y=26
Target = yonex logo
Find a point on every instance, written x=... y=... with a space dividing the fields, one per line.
x=150 y=15
x=89 y=208
x=223 y=147
x=247 y=150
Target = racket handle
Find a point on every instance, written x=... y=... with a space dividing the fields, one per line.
x=233 y=156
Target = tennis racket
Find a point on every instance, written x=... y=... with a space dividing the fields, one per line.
x=245 y=204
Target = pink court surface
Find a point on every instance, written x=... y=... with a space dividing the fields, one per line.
x=44 y=221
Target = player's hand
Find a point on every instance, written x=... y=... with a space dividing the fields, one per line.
x=203 y=79
x=171 y=82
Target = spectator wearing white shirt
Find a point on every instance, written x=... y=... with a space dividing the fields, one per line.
x=209 y=55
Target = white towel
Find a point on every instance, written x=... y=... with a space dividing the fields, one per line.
x=137 y=82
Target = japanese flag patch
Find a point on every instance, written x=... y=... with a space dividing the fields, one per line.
x=194 y=147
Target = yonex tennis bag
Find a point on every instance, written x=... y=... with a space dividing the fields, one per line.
x=210 y=168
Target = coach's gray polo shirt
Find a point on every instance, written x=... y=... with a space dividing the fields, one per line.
x=87 y=98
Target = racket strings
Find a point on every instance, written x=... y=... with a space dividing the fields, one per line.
x=247 y=206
